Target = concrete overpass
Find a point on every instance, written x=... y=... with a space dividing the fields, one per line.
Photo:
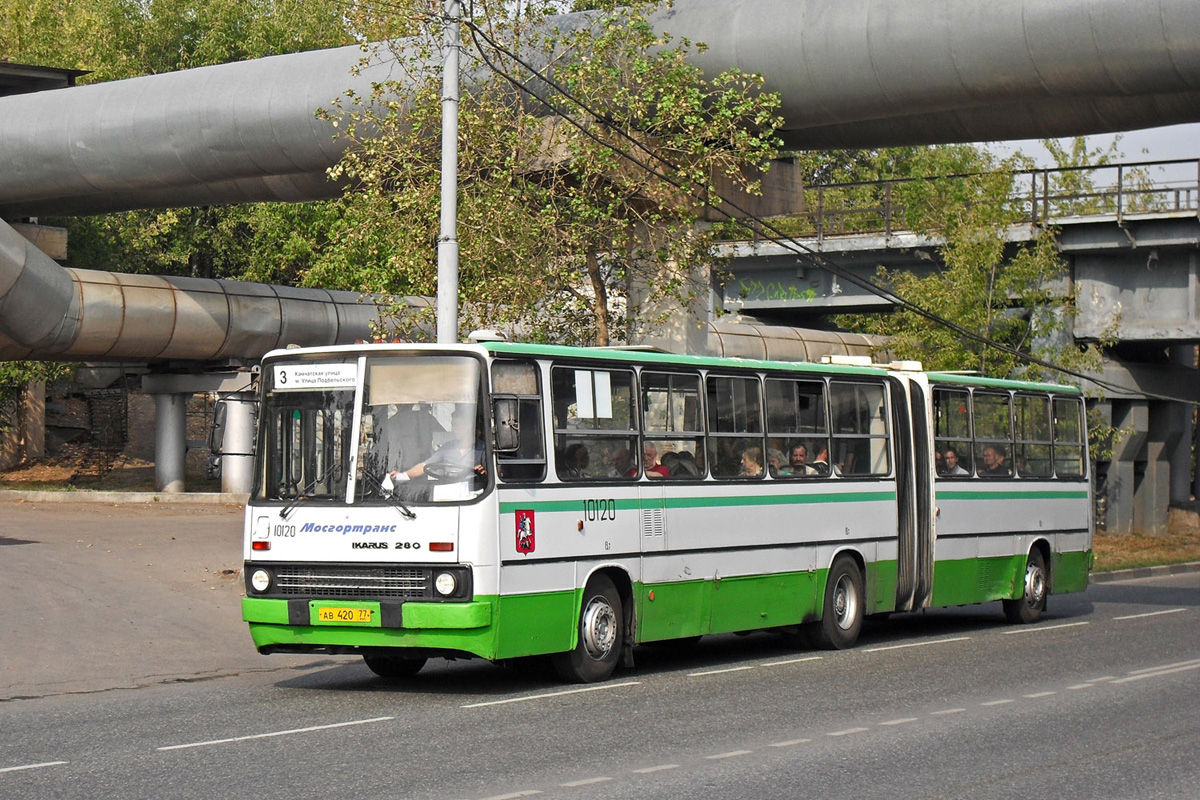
x=1131 y=243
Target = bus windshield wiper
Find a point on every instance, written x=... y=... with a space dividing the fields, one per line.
x=392 y=496
x=300 y=496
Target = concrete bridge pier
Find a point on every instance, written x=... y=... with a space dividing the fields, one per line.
x=170 y=442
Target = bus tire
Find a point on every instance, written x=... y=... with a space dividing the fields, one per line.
x=1032 y=602
x=394 y=668
x=601 y=634
x=845 y=602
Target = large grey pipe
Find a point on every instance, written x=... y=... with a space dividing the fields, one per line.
x=51 y=313
x=852 y=73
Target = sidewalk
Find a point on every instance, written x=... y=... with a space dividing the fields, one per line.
x=88 y=496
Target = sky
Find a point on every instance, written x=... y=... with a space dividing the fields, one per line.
x=1149 y=144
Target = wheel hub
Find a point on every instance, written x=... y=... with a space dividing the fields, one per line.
x=599 y=628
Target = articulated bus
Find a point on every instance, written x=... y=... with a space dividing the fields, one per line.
x=503 y=500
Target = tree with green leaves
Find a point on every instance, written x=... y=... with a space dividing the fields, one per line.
x=570 y=193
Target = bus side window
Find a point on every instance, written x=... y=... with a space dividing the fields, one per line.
x=595 y=425
x=1069 y=444
x=527 y=463
x=1033 y=436
x=953 y=453
x=860 y=428
x=735 y=429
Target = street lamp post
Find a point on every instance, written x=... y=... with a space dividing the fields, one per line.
x=447 y=283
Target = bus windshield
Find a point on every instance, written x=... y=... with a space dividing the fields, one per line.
x=419 y=430
x=422 y=432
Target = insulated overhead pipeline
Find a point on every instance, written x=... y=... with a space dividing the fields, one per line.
x=48 y=312
x=855 y=73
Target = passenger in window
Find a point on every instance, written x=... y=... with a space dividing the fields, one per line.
x=950 y=465
x=622 y=465
x=686 y=466
x=670 y=462
x=653 y=468
x=993 y=462
x=821 y=464
x=577 y=460
x=775 y=462
x=798 y=463
x=751 y=463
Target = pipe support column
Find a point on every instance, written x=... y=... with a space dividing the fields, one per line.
x=170 y=441
x=237 y=443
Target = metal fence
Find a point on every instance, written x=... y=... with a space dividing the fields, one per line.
x=1037 y=197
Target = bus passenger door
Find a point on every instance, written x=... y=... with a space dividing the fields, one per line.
x=653 y=518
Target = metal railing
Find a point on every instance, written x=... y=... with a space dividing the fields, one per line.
x=1038 y=197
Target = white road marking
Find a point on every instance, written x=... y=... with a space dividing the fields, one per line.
x=718 y=671
x=1103 y=679
x=1079 y=686
x=543 y=696
x=276 y=733
x=790 y=661
x=790 y=743
x=586 y=782
x=730 y=754
x=848 y=732
x=948 y=711
x=903 y=721
x=659 y=768
x=1151 y=614
x=33 y=766
x=1157 y=672
x=1045 y=628
x=1036 y=695
x=514 y=795
x=915 y=644
x=996 y=703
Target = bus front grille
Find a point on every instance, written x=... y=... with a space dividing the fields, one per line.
x=351 y=582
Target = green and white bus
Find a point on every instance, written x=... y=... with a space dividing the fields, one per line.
x=502 y=500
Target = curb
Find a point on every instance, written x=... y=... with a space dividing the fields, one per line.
x=114 y=498
x=1145 y=572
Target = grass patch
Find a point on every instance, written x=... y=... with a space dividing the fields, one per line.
x=1132 y=550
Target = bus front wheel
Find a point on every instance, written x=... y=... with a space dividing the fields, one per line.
x=394 y=668
x=601 y=632
x=1032 y=602
x=842 y=617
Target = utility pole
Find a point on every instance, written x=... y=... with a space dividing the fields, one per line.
x=447 y=284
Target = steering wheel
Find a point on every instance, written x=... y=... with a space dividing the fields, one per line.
x=448 y=472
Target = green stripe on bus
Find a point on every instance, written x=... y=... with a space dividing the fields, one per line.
x=631 y=504
x=1030 y=494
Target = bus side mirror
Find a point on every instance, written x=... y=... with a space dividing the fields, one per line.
x=507 y=428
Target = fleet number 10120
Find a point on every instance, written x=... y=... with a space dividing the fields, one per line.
x=599 y=510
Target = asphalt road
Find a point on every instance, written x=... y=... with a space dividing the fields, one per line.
x=1098 y=700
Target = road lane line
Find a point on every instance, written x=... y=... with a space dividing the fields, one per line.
x=730 y=754
x=948 y=711
x=1151 y=614
x=790 y=661
x=1165 y=666
x=514 y=795
x=996 y=703
x=1036 y=695
x=33 y=766
x=790 y=743
x=902 y=721
x=659 y=768
x=1046 y=628
x=848 y=732
x=915 y=644
x=718 y=671
x=585 y=782
x=1158 y=674
x=1079 y=686
x=1103 y=679
x=275 y=733
x=600 y=688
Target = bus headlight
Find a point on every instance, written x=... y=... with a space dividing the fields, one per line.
x=260 y=580
x=445 y=583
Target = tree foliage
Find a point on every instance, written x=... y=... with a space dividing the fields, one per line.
x=554 y=224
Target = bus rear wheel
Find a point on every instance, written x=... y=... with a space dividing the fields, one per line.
x=601 y=635
x=845 y=601
x=1032 y=602
x=394 y=668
